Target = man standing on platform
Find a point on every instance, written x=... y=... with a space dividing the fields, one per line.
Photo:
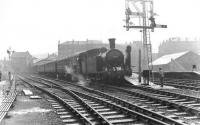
x=10 y=82
x=161 y=75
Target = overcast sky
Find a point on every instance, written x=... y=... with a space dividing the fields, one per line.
x=37 y=25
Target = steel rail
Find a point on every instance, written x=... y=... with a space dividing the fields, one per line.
x=101 y=119
x=184 y=107
x=92 y=110
x=126 y=104
x=76 y=113
x=148 y=119
x=134 y=107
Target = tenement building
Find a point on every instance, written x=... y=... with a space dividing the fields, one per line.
x=21 y=61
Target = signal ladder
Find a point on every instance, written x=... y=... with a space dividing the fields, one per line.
x=149 y=55
x=149 y=51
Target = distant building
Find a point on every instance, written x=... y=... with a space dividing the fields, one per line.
x=136 y=46
x=178 y=62
x=176 y=45
x=70 y=47
x=21 y=61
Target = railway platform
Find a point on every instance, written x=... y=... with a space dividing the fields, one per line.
x=27 y=108
x=134 y=80
x=7 y=97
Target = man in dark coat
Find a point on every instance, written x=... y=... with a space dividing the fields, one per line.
x=161 y=75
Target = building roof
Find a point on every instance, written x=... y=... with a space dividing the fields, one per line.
x=48 y=59
x=43 y=61
x=20 y=54
x=167 y=58
x=82 y=42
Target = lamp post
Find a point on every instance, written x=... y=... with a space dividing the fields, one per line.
x=10 y=52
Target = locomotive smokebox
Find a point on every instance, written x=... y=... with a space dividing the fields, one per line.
x=112 y=43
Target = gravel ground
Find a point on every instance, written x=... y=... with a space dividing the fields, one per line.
x=28 y=111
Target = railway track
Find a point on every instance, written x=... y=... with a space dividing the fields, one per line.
x=150 y=107
x=67 y=113
x=99 y=110
x=181 y=83
x=180 y=107
x=177 y=108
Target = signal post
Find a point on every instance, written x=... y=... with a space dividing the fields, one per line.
x=140 y=15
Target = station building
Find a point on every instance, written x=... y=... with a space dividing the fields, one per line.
x=21 y=61
x=178 y=62
x=68 y=48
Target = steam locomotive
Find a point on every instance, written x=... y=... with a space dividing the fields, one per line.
x=96 y=64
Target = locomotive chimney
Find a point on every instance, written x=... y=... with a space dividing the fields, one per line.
x=112 y=43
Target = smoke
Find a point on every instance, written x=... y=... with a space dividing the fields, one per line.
x=75 y=76
x=68 y=70
x=82 y=80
